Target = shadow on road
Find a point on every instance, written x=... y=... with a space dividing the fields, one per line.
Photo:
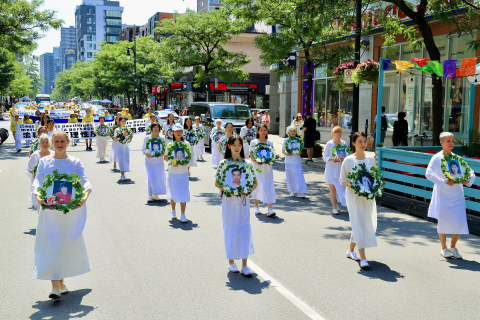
x=32 y=232
x=126 y=181
x=158 y=203
x=69 y=306
x=176 y=224
x=381 y=271
x=8 y=151
x=252 y=285
x=462 y=264
x=263 y=218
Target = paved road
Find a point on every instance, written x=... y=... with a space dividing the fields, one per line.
x=146 y=266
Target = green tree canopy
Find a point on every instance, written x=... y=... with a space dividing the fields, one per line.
x=6 y=71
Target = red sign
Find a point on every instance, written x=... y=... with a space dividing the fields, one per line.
x=234 y=86
x=166 y=88
x=155 y=89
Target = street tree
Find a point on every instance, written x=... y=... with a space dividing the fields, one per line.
x=32 y=71
x=6 y=70
x=22 y=24
x=196 y=40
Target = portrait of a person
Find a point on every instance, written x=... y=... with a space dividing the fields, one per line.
x=155 y=147
x=264 y=153
x=250 y=137
x=236 y=177
x=179 y=154
x=103 y=130
x=366 y=183
x=341 y=153
x=454 y=169
x=293 y=146
x=63 y=195
x=219 y=135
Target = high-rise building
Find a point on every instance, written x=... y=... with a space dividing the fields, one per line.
x=96 y=20
x=47 y=70
x=207 y=5
x=68 y=47
x=57 y=62
x=153 y=23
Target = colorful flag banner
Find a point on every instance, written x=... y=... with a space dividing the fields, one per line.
x=403 y=65
x=386 y=64
x=449 y=68
x=436 y=67
x=467 y=68
x=421 y=62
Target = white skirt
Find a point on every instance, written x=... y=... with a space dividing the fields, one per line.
x=66 y=259
x=123 y=156
x=102 y=143
x=193 y=160
x=177 y=187
x=265 y=190
x=199 y=148
x=237 y=231
x=156 y=180
x=363 y=219
x=216 y=155
x=113 y=152
x=295 y=179
x=340 y=190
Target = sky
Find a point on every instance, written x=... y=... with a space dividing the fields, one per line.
x=134 y=12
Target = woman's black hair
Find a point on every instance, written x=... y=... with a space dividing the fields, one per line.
x=168 y=120
x=226 y=124
x=355 y=137
x=44 y=120
x=117 y=120
x=121 y=118
x=230 y=142
x=101 y=118
x=156 y=124
x=50 y=120
x=249 y=119
x=182 y=139
x=185 y=124
x=262 y=125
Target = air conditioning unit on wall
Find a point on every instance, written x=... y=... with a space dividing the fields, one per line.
x=281 y=87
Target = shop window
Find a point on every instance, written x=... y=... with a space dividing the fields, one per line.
x=319 y=101
x=457 y=106
x=346 y=106
x=410 y=100
x=408 y=53
x=459 y=47
x=426 y=114
x=333 y=105
x=392 y=53
x=390 y=92
x=442 y=45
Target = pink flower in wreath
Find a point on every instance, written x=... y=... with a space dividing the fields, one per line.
x=125 y=134
x=52 y=201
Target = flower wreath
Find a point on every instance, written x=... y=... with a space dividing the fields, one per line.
x=247 y=170
x=35 y=168
x=444 y=164
x=122 y=138
x=339 y=147
x=112 y=129
x=191 y=136
x=171 y=148
x=102 y=134
x=214 y=134
x=34 y=146
x=223 y=144
x=52 y=200
x=169 y=134
x=245 y=135
x=153 y=153
x=200 y=132
x=378 y=181
x=149 y=129
x=263 y=160
x=297 y=140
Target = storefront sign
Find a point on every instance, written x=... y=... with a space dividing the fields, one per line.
x=409 y=95
x=179 y=87
x=160 y=89
x=235 y=87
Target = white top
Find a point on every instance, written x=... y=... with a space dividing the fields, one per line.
x=179 y=169
x=351 y=161
x=144 y=147
x=332 y=168
x=244 y=129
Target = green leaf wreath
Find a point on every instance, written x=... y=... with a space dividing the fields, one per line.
x=52 y=200
x=149 y=129
x=223 y=144
x=35 y=168
x=102 y=134
x=444 y=164
x=34 y=146
x=246 y=134
x=297 y=140
x=191 y=136
x=263 y=160
x=378 y=182
x=171 y=149
x=121 y=135
x=338 y=147
x=169 y=134
x=200 y=132
x=214 y=134
x=247 y=170
x=112 y=130
x=159 y=153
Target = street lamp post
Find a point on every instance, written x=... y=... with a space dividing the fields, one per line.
x=134 y=49
x=356 y=89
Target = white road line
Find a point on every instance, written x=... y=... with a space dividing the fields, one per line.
x=284 y=291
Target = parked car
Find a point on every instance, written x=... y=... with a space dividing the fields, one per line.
x=163 y=114
x=209 y=112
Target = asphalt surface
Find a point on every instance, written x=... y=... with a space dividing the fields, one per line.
x=146 y=266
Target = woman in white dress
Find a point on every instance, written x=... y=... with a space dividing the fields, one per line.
x=44 y=144
x=151 y=120
x=170 y=123
x=59 y=246
x=199 y=148
x=35 y=146
x=122 y=151
x=187 y=127
x=265 y=191
x=362 y=211
x=448 y=200
x=332 y=170
x=224 y=139
x=216 y=155
x=156 y=180
x=293 y=169
x=102 y=142
x=298 y=124
x=177 y=181
x=237 y=232
x=113 y=150
x=50 y=127
x=249 y=125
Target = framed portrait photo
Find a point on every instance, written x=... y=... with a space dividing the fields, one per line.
x=236 y=178
x=61 y=192
x=368 y=183
x=455 y=168
x=179 y=154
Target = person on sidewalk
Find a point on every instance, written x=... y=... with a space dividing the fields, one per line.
x=293 y=169
x=18 y=143
x=362 y=211
x=298 y=124
x=310 y=128
x=383 y=128
x=400 y=131
x=332 y=170
x=199 y=148
x=448 y=200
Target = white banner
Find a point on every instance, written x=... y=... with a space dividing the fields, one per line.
x=26 y=131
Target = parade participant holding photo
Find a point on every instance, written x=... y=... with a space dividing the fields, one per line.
x=199 y=148
x=250 y=136
x=298 y=124
x=168 y=125
x=35 y=146
x=88 y=119
x=113 y=150
x=59 y=246
x=448 y=199
x=177 y=182
x=123 y=136
x=188 y=129
x=156 y=180
x=149 y=122
x=73 y=119
x=101 y=133
x=293 y=167
x=18 y=143
x=216 y=155
x=362 y=211
x=265 y=191
x=333 y=164
x=224 y=139
x=237 y=231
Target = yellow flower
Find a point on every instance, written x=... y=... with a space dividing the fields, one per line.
x=174 y=162
x=449 y=176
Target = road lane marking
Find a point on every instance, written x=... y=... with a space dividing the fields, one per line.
x=285 y=292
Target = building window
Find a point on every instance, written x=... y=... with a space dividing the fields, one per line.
x=113 y=13
x=113 y=22
x=113 y=38
x=90 y=29
x=89 y=46
x=89 y=55
x=114 y=30
x=89 y=37
x=90 y=20
x=89 y=12
x=94 y=47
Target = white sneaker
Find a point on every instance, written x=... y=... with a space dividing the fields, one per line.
x=446 y=254
x=246 y=272
x=183 y=219
x=201 y=157
x=455 y=253
x=155 y=197
x=364 y=264
x=123 y=177
x=64 y=290
x=150 y=199
x=353 y=256
x=292 y=194
x=174 y=214
x=271 y=213
x=257 y=210
x=300 y=195
x=233 y=268
x=54 y=295
x=334 y=211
